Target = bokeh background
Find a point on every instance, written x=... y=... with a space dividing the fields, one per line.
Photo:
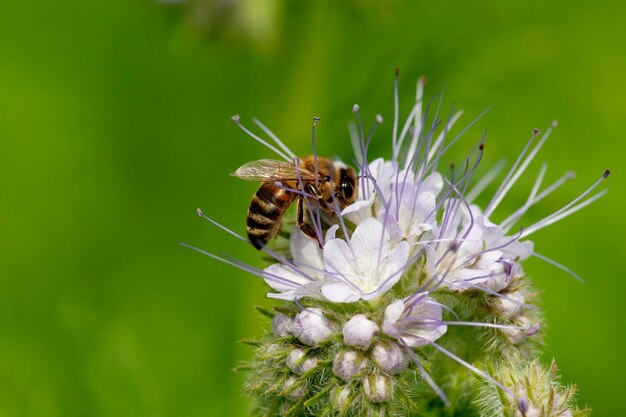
x=114 y=127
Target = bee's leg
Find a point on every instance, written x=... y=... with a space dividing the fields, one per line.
x=342 y=201
x=311 y=189
x=306 y=228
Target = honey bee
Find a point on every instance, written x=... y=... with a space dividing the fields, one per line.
x=320 y=185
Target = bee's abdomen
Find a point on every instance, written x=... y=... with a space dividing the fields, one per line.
x=266 y=210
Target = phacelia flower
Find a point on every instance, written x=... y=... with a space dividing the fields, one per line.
x=378 y=294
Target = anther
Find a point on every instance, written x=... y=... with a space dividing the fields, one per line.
x=355 y=108
x=199 y=212
x=481 y=146
x=522 y=405
x=536 y=132
x=379 y=119
x=533 y=329
x=554 y=124
x=397 y=71
x=316 y=120
x=606 y=173
x=236 y=118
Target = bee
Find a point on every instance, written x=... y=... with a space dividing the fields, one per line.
x=284 y=182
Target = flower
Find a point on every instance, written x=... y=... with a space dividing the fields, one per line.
x=382 y=289
x=416 y=323
x=366 y=267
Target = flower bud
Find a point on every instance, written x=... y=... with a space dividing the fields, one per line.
x=510 y=305
x=294 y=389
x=299 y=363
x=527 y=328
x=340 y=398
x=390 y=357
x=349 y=364
x=377 y=388
x=359 y=331
x=312 y=327
x=282 y=325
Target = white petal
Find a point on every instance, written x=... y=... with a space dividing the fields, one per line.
x=339 y=293
x=366 y=243
x=338 y=259
x=359 y=211
x=330 y=234
x=391 y=270
x=306 y=253
x=433 y=183
x=290 y=279
x=392 y=314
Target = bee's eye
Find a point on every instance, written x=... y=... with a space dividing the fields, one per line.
x=347 y=189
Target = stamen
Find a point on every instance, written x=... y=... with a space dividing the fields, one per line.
x=440 y=139
x=471 y=367
x=337 y=209
x=293 y=190
x=378 y=122
x=489 y=325
x=445 y=307
x=288 y=264
x=515 y=173
x=355 y=141
x=226 y=229
x=484 y=182
x=448 y=213
x=274 y=137
x=237 y=120
x=513 y=218
x=242 y=266
x=396 y=114
x=275 y=278
x=364 y=163
x=558 y=265
x=514 y=239
x=570 y=208
x=315 y=120
x=317 y=224
x=417 y=128
x=529 y=201
x=469 y=211
x=429 y=380
x=433 y=164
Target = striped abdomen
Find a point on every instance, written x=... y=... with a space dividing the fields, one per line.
x=266 y=210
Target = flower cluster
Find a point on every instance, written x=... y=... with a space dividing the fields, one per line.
x=410 y=288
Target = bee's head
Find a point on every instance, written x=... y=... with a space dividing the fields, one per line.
x=347 y=185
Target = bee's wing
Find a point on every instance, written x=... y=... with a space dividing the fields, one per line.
x=267 y=170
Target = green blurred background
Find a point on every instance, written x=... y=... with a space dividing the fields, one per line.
x=114 y=127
